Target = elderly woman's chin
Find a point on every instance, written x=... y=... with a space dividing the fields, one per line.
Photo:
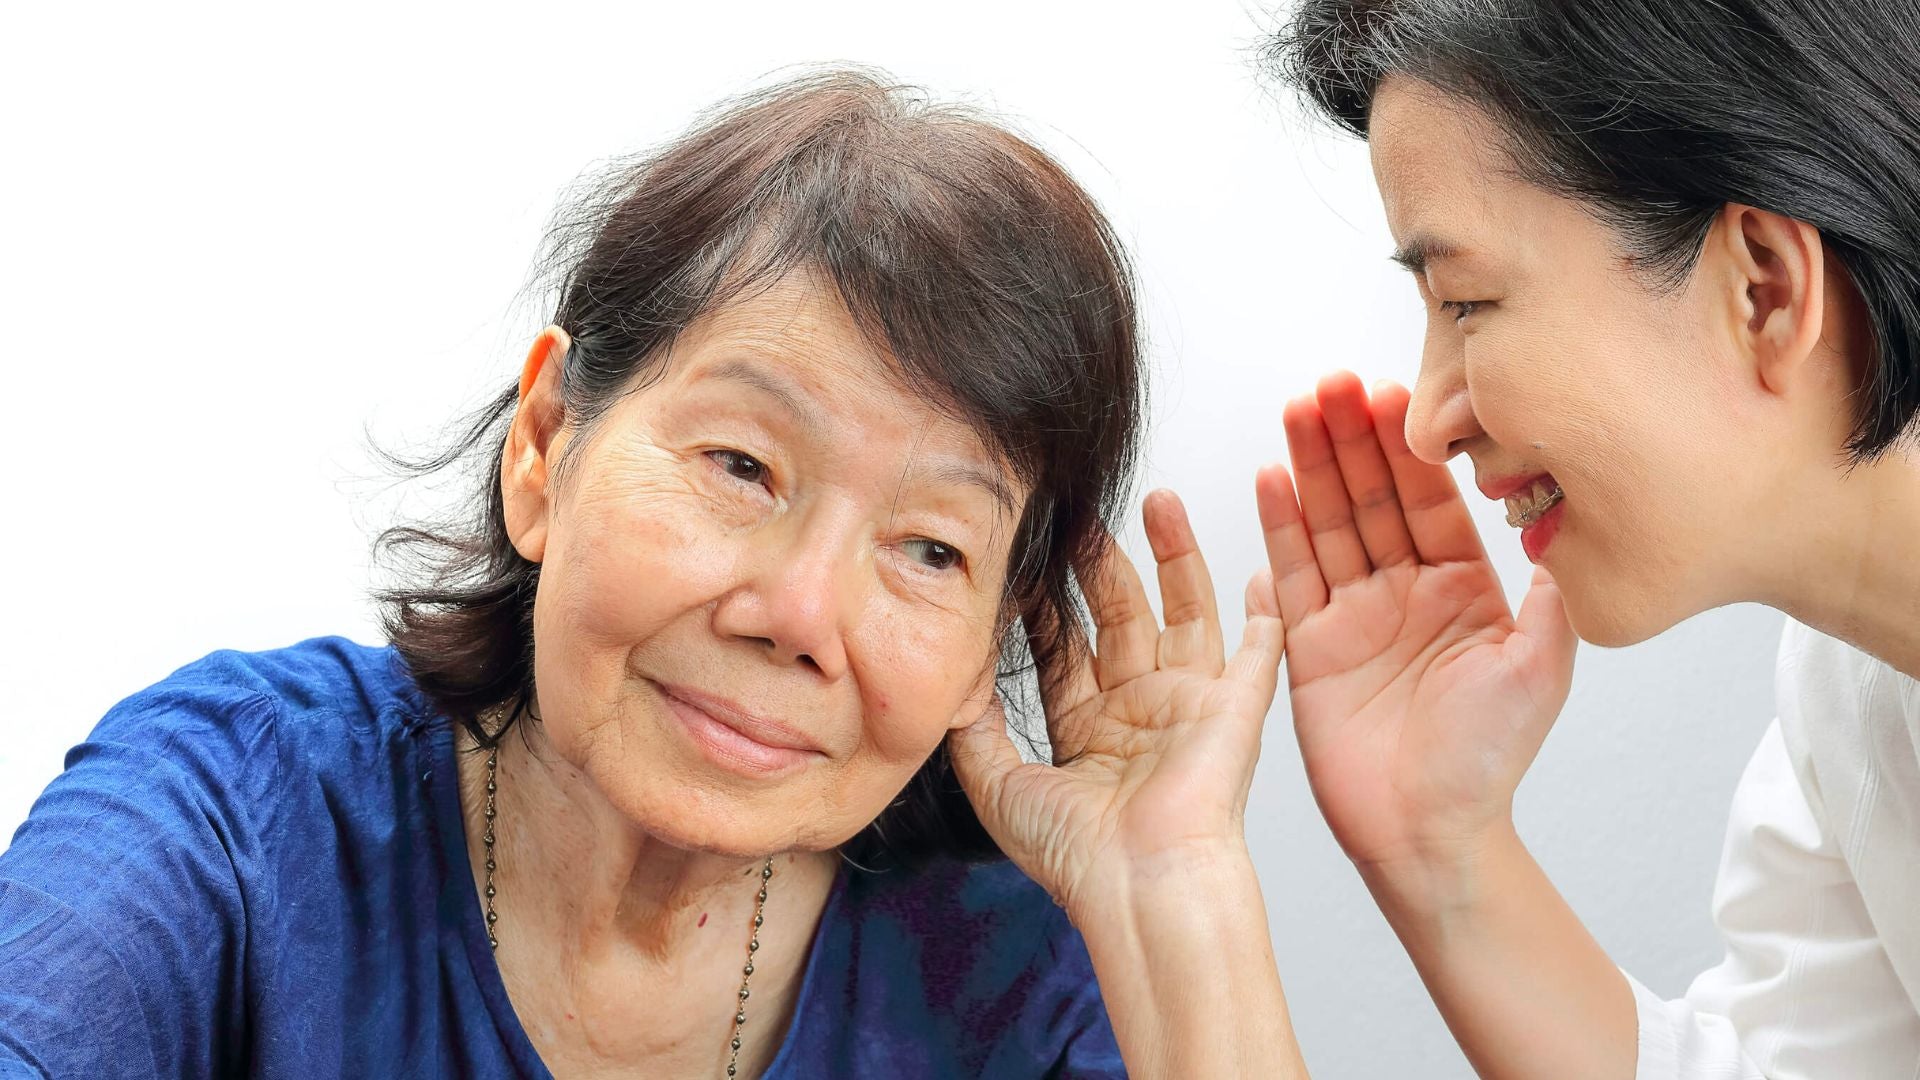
x=693 y=815
x=695 y=811
x=676 y=779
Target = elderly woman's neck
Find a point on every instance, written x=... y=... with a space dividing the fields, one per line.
x=574 y=869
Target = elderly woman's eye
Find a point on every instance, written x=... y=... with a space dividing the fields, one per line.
x=934 y=554
x=739 y=465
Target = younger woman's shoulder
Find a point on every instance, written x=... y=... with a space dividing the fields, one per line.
x=1849 y=720
x=1824 y=681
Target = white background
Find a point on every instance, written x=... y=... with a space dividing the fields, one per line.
x=235 y=241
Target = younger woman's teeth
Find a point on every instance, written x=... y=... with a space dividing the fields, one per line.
x=1526 y=507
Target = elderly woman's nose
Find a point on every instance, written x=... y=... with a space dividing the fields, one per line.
x=797 y=600
x=1440 y=418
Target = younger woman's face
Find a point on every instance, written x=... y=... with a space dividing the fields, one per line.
x=770 y=580
x=1627 y=427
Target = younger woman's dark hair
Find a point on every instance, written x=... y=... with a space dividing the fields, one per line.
x=1657 y=113
x=969 y=256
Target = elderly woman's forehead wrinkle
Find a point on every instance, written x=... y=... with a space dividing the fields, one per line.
x=798 y=347
x=796 y=324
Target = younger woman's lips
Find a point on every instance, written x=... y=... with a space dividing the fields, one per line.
x=1498 y=489
x=1536 y=538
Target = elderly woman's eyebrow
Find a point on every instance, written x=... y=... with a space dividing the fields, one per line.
x=965 y=474
x=795 y=400
x=786 y=393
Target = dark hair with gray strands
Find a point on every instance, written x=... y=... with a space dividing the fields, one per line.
x=969 y=256
x=1658 y=113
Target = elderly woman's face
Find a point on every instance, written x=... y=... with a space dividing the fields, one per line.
x=1551 y=362
x=769 y=580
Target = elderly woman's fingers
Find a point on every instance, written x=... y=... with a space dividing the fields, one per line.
x=1363 y=466
x=1256 y=663
x=983 y=754
x=1126 y=637
x=1436 y=516
x=1068 y=689
x=1294 y=569
x=1066 y=677
x=1191 y=640
x=1324 y=502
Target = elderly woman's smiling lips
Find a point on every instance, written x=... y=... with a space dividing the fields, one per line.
x=735 y=739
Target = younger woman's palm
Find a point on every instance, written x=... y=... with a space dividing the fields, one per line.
x=1418 y=698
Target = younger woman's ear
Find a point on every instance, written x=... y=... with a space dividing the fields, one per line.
x=526 y=461
x=1778 y=296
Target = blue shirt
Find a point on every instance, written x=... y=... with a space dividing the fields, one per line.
x=258 y=867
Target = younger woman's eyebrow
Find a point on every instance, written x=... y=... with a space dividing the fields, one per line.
x=1422 y=250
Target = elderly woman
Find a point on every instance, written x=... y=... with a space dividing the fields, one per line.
x=654 y=778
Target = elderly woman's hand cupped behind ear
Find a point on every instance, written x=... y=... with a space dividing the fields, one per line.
x=1154 y=733
x=1137 y=827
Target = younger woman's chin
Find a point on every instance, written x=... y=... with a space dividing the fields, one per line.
x=1613 y=618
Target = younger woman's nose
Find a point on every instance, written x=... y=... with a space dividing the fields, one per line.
x=1440 y=418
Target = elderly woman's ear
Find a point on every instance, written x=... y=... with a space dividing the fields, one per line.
x=533 y=443
x=982 y=703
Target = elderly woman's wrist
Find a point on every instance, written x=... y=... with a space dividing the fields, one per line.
x=1180 y=944
x=1193 y=877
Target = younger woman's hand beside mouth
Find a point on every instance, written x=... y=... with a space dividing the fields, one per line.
x=1418 y=698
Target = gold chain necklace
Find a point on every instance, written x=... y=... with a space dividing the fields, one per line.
x=753 y=939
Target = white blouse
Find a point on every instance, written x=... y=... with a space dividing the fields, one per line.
x=1818 y=898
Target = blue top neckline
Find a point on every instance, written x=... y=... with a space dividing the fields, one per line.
x=444 y=781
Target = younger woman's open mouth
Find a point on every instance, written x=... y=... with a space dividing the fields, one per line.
x=1535 y=506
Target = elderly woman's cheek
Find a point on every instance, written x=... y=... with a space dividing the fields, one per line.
x=645 y=545
x=923 y=665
